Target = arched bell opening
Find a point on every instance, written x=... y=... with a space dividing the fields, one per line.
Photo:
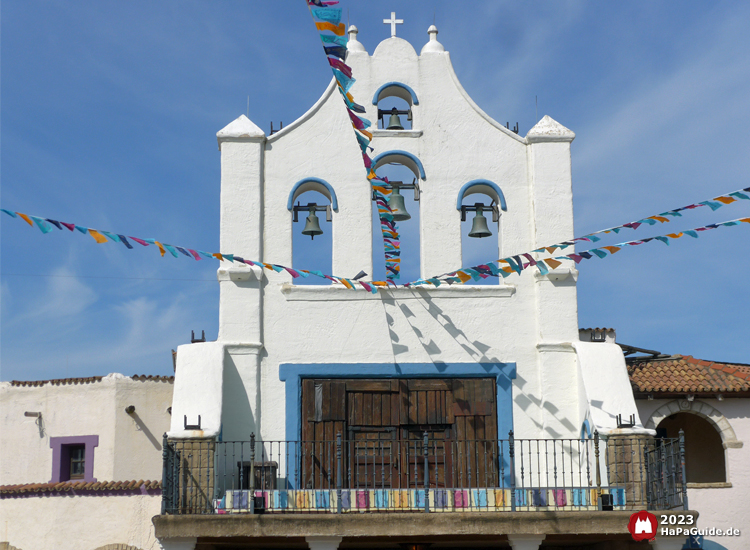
x=395 y=103
x=480 y=203
x=311 y=204
x=404 y=201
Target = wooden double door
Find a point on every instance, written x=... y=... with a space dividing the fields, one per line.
x=383 y=425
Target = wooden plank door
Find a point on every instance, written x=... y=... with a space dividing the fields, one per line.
x=323 y=417
x=426 y=407
x=372 y=414
x=475 y=413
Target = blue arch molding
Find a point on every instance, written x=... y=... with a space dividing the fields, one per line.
x=312 y=184
x=482 y=186
x=402 y=157
x=399 y=92
x=293 y=373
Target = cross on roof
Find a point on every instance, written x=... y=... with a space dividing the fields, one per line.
x=393 y=21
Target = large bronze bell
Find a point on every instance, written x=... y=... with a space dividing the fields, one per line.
x=398 y=208
x=479 y=227
x=394 y=123
x=312 y=225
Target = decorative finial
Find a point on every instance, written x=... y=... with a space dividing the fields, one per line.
x=354 y=45
x=393 y=22
x=433 y=45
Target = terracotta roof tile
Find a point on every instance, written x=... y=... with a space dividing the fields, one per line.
x=65 y=486
x=685 y=374
x=88 y=380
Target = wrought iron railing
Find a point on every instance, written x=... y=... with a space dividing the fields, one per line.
x=379 y=474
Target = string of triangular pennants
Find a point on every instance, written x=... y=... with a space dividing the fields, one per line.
x=514 y=264
x=333 y=35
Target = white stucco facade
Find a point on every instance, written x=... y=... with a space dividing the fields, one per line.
x=721 y=505
x=129 y=446
x=78 y=522
x=99 y=510
x=527 y=321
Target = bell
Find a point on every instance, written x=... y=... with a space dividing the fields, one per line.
x=312 y=226
x=398 y=208
x=394 y=123
x=479 y=227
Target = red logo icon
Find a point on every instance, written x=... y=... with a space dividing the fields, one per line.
x=643 y=525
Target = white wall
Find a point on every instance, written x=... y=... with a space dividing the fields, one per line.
x=79 y=522
x=722 y=507
x=129 y=446
x=527 y=320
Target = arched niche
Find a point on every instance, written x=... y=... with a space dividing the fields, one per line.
x=485 y=187
x=401 y=170
x=397 y=89
x=399 y=97
x=405 y=158
x=704 y=452
x=312 y=254
x=719 y=421
x=313 y=184
x=475 y=251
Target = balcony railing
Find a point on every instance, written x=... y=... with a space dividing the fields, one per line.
x=380 y=474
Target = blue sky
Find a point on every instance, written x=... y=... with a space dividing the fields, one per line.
x=109 y=119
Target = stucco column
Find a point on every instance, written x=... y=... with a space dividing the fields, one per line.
x=525 y=542
x=241 y=144
x=177 y=544
x=241 y=300
x=323 y=543
x=556 y=301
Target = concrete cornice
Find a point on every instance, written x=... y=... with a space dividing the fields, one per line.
x=452 y=525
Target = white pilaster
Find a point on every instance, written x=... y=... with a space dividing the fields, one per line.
x=241 y=144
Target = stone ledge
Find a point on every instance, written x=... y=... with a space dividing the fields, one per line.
x=454 y=525
x=714 y=485
x=312 y=293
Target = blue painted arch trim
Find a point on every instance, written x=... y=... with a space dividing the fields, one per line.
x=292 y=375
x=312 y=184
x=482 y=186
x=402 y=157
x=401 y=91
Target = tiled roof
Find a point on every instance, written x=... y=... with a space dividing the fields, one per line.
x=686 y=374
x=88 y=380
x=65 y=486
x=153 y=377
x=57 y=381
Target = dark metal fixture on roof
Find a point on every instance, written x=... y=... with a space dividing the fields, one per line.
x=192 y=426
x=621 y=424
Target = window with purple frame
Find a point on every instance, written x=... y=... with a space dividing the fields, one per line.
x=73 y=458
